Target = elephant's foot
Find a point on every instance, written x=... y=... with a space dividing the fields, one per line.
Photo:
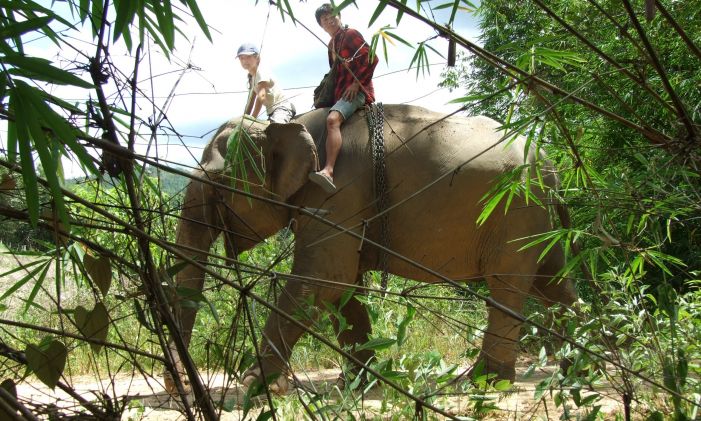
x=279 y=385
x=565 y=364
x=350 y=380
x=169 y=381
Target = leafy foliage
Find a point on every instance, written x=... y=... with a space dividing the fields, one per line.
x=630 y=188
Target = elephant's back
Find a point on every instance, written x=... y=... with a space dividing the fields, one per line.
x=439 y=169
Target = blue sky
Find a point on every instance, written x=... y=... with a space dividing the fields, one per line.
x=212 y=90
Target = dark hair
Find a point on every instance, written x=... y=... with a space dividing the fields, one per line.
x=324 y=9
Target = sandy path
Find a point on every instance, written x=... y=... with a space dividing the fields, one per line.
x=149 y=401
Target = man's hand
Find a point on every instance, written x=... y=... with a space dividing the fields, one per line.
x=351 y=92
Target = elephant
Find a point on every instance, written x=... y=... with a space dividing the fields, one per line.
x=437 y=170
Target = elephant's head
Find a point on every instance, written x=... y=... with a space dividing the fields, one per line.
x=283 y=154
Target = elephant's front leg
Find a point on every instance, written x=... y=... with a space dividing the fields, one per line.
x=325 y=269
x=356 y=331
x=195 y=234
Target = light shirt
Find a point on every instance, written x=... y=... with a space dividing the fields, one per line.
x=274 y=97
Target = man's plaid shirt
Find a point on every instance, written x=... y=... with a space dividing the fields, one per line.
x=351 y=47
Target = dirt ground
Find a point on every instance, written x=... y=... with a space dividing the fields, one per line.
x=146 y=399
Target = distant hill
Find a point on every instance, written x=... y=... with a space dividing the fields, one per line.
x=172 y=184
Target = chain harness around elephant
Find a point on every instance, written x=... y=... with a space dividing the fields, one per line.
x=376 y=122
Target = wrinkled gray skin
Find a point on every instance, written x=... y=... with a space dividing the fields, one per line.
x=435 y=228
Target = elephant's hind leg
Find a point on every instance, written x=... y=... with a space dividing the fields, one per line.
x=500 y=343
x=551 y=291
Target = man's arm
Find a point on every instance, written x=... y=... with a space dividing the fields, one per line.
x=259 y=97
x=249 y=104
x=359 y=61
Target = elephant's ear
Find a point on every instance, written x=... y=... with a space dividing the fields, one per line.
x=293 y=155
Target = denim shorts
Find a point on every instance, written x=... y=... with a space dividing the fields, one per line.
x=348 y=108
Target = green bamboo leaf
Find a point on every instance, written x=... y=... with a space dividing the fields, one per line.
x=378 y=11
x=346 y=297
x=572 y=263
x=12 y=141
x=194 y=298
x=169 y=20
x=19 y=28
x=151 y=26
x=417 y=55
x=400 y=13
x=502 y=385
x=32 y=10
x=489 y=207
x=513 y=191
x=468 y=98
x=128 y=42
x=435 y=51
x=447 y=374
x=174 y=269
x=48 y=161
x=541 y=238
x=96 y=16
x=41 y=147
x=142 y=27
x=37 y=286
x=373 y=46
x=253 y=162
x=30 y=275
x=39 y=68
x=83 y=11
x=142 y=318
x=384 y=49
x=548 y=247
x=287 y=10
x=47 y=360
x=164 y=15
x=344 y=4
x=376 y=344
x=443 y=6
x=453 y=12
x=401 y=328
x=31 y=189
x=192 y=4
x=61 y=103
x=126 y=10
x=398 y=38
x=58 y=125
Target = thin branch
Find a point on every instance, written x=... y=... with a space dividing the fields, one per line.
x=81 y=338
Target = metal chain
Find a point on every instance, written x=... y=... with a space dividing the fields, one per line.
x=376 y=122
